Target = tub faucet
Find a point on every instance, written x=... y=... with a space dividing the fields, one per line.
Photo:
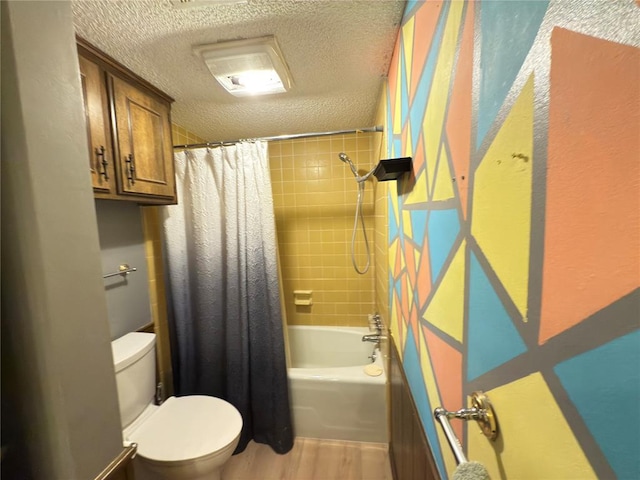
x=373 y=338
x=375 y=323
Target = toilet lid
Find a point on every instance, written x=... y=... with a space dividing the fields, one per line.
x=184 y=428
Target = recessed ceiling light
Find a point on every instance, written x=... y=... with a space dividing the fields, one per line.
x=247 y=67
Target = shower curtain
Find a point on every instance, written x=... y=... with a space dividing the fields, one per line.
x=222 y=277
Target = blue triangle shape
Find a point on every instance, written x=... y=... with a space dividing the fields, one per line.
x=443 y=227
x=413 y=371
x=398 y=288
x=410 y=10
x=508 y=29
x=613 y=378
x=493 y=339
x=418 y=225
x=418 y=107
x=397 y=146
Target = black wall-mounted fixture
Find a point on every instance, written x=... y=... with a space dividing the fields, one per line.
x=392 y=168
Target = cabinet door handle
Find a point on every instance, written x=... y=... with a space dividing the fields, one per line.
x=131 y=169
x=102 y=160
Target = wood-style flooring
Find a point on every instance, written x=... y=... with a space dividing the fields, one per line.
x=311 y=459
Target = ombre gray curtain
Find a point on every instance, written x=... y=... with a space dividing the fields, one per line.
x=221 y=266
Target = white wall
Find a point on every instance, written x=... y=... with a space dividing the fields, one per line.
x=56 y=357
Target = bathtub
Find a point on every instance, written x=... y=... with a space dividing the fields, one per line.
x=331 y=396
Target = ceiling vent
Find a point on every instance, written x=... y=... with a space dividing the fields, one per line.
x=182 y=4
x=247 y=67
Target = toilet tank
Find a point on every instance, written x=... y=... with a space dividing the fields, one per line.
x=135 y=364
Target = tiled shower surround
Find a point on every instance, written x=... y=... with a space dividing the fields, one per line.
x=182 y=136
x=315 y=200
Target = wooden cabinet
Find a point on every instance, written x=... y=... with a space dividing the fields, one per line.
x=145 y=152
x=96 y=112
x=129 y=132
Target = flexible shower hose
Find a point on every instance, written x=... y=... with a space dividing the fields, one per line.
x=360 y=215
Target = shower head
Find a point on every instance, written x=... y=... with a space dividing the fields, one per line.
x=345 y=158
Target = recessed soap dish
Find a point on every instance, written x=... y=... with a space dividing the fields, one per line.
x=302 y=297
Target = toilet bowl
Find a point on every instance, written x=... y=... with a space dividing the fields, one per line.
x=188 y=437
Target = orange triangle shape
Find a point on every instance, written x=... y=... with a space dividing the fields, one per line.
x=447 y=367
x=424 y=275
x=458 y=123
x=426 y=19
x=411 y=264
x=398 y=267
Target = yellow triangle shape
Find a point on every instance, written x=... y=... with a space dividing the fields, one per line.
x=407 y=285
x=502 y=199
x=393 y=251
x=446 y=309
x=430 y=158
x=417 y=255
x=418 y=193
x=553 y=439
x=439 y=96
x=406 y=223
x=443 y=188
x=408 y=147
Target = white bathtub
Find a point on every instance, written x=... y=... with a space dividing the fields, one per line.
x=331 y=396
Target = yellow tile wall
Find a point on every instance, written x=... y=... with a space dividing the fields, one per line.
x=182 y=136
x=157 y=294
x=315 y=200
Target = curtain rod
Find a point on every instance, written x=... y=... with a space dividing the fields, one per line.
x=377 y=128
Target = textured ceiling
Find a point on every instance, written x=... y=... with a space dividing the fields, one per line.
x=338 y=53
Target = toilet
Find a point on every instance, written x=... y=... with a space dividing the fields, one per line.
x=187 y=437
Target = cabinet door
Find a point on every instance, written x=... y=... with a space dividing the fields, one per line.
x=143 y=132
x=96 y=112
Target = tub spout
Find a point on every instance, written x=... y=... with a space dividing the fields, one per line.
x=373 y=338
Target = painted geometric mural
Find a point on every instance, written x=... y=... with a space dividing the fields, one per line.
x=514 y=247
